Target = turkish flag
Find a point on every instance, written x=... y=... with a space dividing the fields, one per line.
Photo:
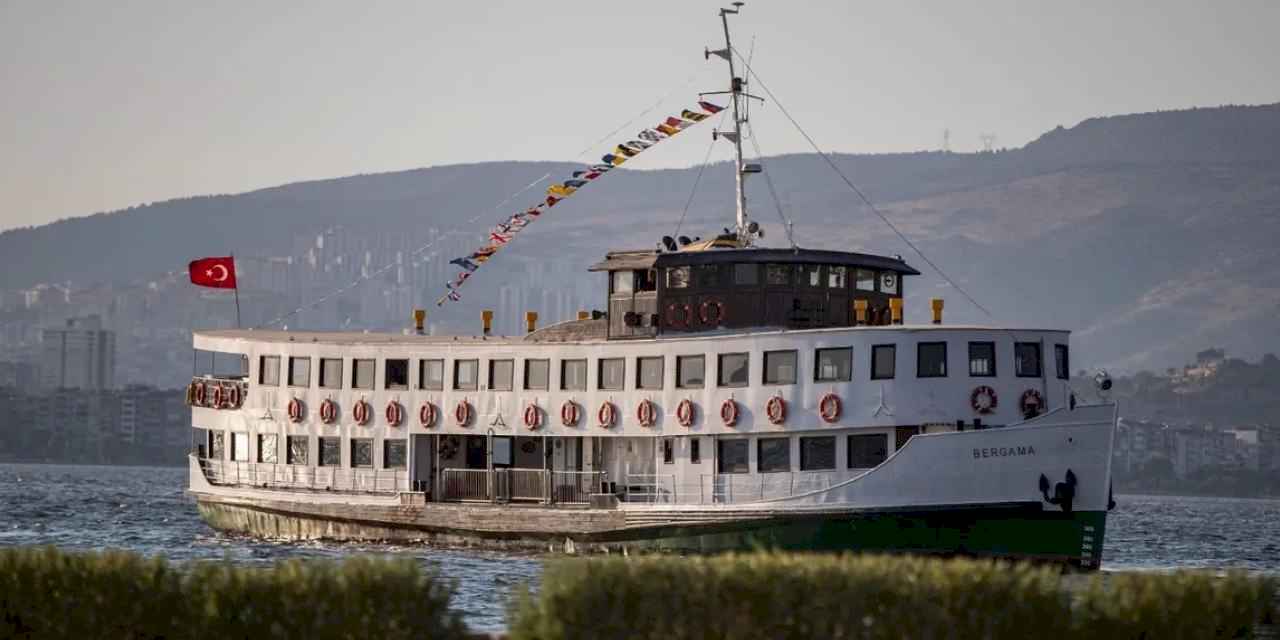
x=219 y=273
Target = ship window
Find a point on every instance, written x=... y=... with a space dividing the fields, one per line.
x=537 y=375
x=1026 y=359
x=773 y=455
x=431 y=375
x=864 y=279
x=678 y=278
x=836 y=277
x=982 y=359
x=868 y=450
x=465 y=374
x=777 y=274
x=361 y=452
x=396 y=374
x=818 y=453
x=239 y=446
x=269 y=371
x=573 y=375
x=624 y=281
x=330 y=451
x=331 y=373
x=780 y=367
x=299 y=371
x=298 y=449
x=931 y=360
x=267 y=448
x=647 y=280
x=746 y=274
x=217 y=446
x=612 y=374
x=733 y=371
x=882 y=361
x=833 y=365
x=668 y=451
x=733 y=456
x=691 y=372
x=394 y=454
x=649 y=373
x=362 y=371
x=1061 y=362
x=709 y=276
x=695 y=450
x=500 y=374
x=889 y=282
x=810 y=275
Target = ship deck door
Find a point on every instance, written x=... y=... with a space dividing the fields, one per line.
x=424 y=448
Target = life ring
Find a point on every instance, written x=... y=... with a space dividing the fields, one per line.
x=684 y=412
x=360 y=413
x=776 y=409
x=198 y=394
x=1032 y=403
x=607 y=414
x=686 y=313
x=829 y=407
x=394 y=413
x=984 y=400
x=703 y=315
x=219 y=396
x=532 y=417
x=427 y=415
x=570 y=413
x=235 y=396
x=462 y=413
x=729 y=412
x=645 y=413
x=295 y=410
x=328 y=411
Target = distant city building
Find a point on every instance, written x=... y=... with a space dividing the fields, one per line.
x=79 y=355
x=23 y=376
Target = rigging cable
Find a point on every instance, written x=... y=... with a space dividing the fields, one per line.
x=861 y=195
x=777 y=202
x=707 y=158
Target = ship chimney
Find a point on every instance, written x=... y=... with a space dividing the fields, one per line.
x=487 y=317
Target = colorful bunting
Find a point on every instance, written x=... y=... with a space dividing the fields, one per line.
x=693 y=115
x=710 y=108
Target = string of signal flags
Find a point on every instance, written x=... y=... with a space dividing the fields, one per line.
x=506 y=230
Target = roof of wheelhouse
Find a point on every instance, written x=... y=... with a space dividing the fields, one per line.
x=649 y=259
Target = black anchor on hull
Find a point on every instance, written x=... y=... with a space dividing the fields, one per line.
x=1063 y=492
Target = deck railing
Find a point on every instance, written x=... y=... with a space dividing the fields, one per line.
x=726 y=488
x=285 y=476
x=521 y=485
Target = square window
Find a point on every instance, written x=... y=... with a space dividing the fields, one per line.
x=331 y=373
x=864 y=280
x=649 y=373
x=299 y=371
x=931 y=360
x=612 y=374
x=889 y=282
x=780 y=367
x=818 y=453
x=466 y=374
x=695 y=450
x=239 y=446
x=773 y=455
x=396 y=374
x=431 y=375
x=217 y=445
x=678 y=278
x=883 y=361
x=733 y=370
x=809 y=275
x=836 y=277
x=1061 y=361
x=868 y=450
x=299 y=447
x=330 y=451
x=361 y=452
x=537 y=375
x=747 y=275
x=573 y=375
x=394 y=454
x=709 y=276
x=269 y=371
x=777 y=275
x=501 y=373
x=1026 y=359
x=982 y=359
x=267 y=443
x=733 y=456
x=833 y=365
x=668 y=451
x=362 y=373
x=647 y=280
x=624 y=281
x=691 y=372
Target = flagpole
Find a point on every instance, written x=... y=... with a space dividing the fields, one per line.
x=237 y=292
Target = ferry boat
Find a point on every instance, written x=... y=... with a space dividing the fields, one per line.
x=729 y=396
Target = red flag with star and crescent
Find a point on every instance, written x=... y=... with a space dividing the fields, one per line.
x=219 y=273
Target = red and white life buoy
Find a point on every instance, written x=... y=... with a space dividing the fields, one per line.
x=198 y=394
x=328 y=411
x=462 y=413
x=712 y=320
x=729 y=412
x=646 y=415
x=984 y=400
x=776 y=409
x=427 y=415
x=570 y=413
x=532 y=417
x=219 y=396
x=829 y=407
x=607 y=414
x=360 y=413
x=295 y=410
x=684 y=412
x=1032 y=403
x=394 y=413
x=235 y=396
x=682 y=320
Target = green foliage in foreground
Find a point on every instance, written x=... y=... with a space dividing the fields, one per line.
x=799 y=596
x=46 y=593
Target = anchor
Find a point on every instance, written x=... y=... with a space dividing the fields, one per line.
x=1063 y=492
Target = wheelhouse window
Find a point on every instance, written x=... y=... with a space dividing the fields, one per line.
x=691 y=372
x=746 y=275
x=624 y=281
x=431 y=375
x=298 y=447
x=709 y=276
x=833 y=365
x=330 y=451
x=362 y=372
x=883 y=361
x=773 y=455
x=982 y=359
x=537 y=375
x=268 y=444
x=331 y=373
x=836 y=277
x=465 y=374
x=1026 y=359
x=500 y=374
x=777 y=275
x=678 y=278
x=396 y=374
x=647 y=280
x=889 y=282
x=733 y=456
x=269 y=371
x=573 y=375
x=649 y=373
x=668 y=451
x=299 y=371
x=780 y=367
x=864 y=279
x=361 y=452
x=612 y=374
x=868 y=450
x=931 y=360
x=395 y=454
x=733 y=370
x=818 y=453
x=809 y=275
x=1061 y=361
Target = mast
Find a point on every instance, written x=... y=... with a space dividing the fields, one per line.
x=745 y=230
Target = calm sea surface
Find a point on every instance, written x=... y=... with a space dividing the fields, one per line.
x=145 y=510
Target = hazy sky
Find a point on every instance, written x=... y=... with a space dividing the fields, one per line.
x=104 y=105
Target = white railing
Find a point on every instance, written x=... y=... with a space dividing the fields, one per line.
x=576 y=487
x=520 y=485
x=726 y=488
x=284 y=476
